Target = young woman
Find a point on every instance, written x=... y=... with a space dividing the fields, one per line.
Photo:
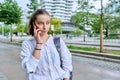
x=40 y=58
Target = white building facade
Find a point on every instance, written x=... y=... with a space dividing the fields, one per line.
x=61 y=9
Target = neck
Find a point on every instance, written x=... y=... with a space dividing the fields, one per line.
x=44 y=37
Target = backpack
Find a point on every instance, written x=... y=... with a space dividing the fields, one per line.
x=57 y=45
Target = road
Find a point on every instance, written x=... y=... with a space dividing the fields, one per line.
x=10 y=62
x=84 y=68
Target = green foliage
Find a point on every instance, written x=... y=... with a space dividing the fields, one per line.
x=112 y=16
x=57 y=25
x=84 y=5
x=96 y=23
x=10 y=12
x=115 y=23
x=58 y=30
x=56 y=22
x=83 y=17
x=113 y=7
x=6 y=29
x=77 y=32
x=32 y=6
x=20 y=28
x=0 y=29
x=79 y=20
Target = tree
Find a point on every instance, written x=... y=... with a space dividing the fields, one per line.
x=77 y=32
x=20 y=28
x=57 y=24
x=84 y=6
x=111 y=17
x=32 y=6
x=10 y=13
x=95 y=23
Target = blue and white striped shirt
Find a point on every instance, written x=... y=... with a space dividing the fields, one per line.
x=48 y=66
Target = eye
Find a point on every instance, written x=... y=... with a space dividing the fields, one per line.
x=48 y=23
x=40 y=23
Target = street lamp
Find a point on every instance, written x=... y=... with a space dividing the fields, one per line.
x=52 y=29
x=84 y=34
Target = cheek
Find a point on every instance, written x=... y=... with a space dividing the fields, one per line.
x=48 y=27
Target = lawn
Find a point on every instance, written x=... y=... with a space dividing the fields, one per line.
x=94 y=49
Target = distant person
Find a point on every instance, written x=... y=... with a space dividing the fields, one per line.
x=40 y=58
x=67 y=35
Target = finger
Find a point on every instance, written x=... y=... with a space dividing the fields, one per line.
x=38 y=33
x=35 y=32
x=34 y=27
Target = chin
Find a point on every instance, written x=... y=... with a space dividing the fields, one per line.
x=44 y=33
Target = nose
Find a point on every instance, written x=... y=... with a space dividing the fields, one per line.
x=44 y=26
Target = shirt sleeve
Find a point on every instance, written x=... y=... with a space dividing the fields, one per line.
x=29 y=62
x=66 y=58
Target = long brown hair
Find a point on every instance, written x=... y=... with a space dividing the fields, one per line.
x=33 y=18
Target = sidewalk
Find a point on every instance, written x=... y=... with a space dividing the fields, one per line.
x=91 y=41
x=3 y=77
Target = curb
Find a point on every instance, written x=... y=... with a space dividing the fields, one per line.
x=13 y=43
x=97 y=55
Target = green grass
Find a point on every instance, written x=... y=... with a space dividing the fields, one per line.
x=93 y=49
x=82 y=48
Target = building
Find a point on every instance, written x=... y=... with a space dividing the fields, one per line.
x=61 y=9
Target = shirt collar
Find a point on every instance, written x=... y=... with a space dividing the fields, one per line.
x=49 y=40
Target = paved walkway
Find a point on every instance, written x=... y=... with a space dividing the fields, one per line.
x=3 y=77
x=10 y=64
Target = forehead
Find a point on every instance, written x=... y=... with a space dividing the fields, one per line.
x=42 y=17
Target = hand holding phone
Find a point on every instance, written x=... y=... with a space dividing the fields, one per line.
x=37 y=33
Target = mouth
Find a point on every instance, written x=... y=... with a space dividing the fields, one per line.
x=44 y=31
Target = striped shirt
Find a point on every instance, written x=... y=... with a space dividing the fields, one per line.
x=47 y=67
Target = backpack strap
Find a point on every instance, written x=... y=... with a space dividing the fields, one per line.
x=57 y=45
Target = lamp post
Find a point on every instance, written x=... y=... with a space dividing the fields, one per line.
x=84 y=35
x=52 y=29
x=3 y=30
x=101 y=28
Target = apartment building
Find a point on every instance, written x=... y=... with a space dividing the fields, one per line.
x=61 y=9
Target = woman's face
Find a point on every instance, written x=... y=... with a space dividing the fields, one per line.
x=42 y=23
